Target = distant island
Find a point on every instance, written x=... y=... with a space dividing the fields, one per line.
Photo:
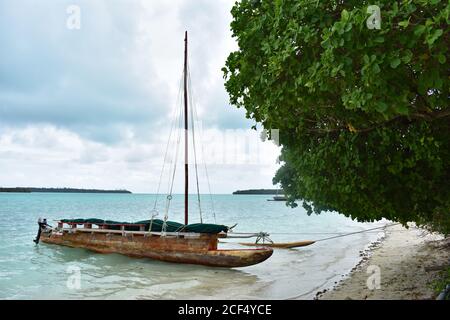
x=259 y=191
x=60 y=190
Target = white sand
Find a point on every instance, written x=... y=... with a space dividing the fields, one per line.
x=409 y=260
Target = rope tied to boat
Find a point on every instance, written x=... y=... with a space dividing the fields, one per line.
x=264 y=237
x=154 y=215
x=356 y=232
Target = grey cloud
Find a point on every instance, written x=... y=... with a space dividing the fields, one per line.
x=88 y=81
x=81 y=79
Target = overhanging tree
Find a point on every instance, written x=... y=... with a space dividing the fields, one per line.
x=363 y=113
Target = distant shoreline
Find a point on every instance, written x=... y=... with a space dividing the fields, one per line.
x=259 y=191
x=60 y=190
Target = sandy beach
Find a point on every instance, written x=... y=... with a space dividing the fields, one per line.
x=402 y=265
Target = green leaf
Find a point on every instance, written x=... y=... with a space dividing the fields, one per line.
x=376 y=68
x=434 y=36
x=381 y=107
x=344 y=15
x=395 y=8
x=442 y=59
x=379 y=39
x=419 y=30
x=402 y=109
x=395 y=63
x=366 y=59
x=407 y=56
x=404 y=23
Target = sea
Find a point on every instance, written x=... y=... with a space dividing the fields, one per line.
x=43 y=271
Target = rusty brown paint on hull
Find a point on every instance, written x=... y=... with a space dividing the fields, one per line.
x=202 y=250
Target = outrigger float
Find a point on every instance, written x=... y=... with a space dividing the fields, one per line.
x=280 y=245
x=157 y=239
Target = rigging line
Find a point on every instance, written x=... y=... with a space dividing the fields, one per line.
x=210 y=193
x=203 y=153
x=193 y=144
x=176 y=156
x=171 y=179
x=299 y=233
x=176 y=137
x=174 y=120
x=174 y=168
x=362 y=231
x=177 y=148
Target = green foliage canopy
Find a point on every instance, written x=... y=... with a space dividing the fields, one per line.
x=363 y=113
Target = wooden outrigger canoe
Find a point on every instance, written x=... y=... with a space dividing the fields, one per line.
x=195 y=246
x=179 y=247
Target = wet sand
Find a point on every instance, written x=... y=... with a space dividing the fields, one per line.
x=407 y=261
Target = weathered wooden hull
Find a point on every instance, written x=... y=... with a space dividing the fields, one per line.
x=200 y=250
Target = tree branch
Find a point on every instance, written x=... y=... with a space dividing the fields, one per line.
x=431 y=116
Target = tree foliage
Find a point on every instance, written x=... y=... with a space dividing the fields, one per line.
x=363 y=113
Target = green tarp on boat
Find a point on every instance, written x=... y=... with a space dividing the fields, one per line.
x=171 y=226
x=156 y=225
x=205 y=228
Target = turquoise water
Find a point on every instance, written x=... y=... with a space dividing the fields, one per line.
x=45 y=271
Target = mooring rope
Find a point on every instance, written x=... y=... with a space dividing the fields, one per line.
x=338 y=235
x=356 y=232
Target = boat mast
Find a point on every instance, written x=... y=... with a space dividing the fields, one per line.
x=186 y=174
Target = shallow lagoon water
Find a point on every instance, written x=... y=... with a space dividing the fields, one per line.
x=28 y=271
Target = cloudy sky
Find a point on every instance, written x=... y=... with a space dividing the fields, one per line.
x=91 y=107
